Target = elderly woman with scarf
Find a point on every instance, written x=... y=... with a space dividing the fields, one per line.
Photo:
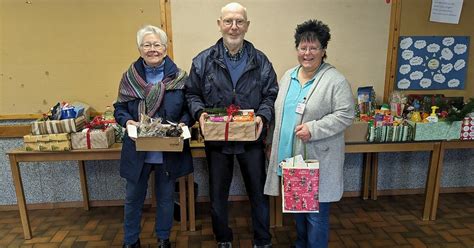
x=153 y=85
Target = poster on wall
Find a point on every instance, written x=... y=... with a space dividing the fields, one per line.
x=432 y=62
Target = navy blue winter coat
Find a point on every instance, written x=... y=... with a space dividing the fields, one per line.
x=173 y=108
x=209 y=84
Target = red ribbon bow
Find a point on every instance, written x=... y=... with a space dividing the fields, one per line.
x=97 y=123
x=231 y=110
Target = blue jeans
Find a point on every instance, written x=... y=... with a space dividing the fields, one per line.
x=135 y=197
x=312 y=229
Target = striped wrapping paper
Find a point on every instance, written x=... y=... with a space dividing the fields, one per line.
x=58 y=126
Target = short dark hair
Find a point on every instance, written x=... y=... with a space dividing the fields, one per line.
x=311 y=31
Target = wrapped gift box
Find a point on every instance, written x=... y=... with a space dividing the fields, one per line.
x=399 y=133
x=237 y=131
x=436 y=131
x=356 y=133
x=467 y=128
x=93 y=139
x=161 y=144
x=48 y=142
x=58 y=126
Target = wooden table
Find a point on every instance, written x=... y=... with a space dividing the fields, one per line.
x=113 y=153
x=445 y=145
x=370 y=151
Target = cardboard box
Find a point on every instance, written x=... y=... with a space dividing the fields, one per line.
x=356 y=133
x=437 y=131
x=238 y=131
x=161 y=144
x=47 y=142
x=98 y=139
x=58 y=126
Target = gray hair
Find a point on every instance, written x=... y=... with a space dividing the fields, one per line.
x=149 y=29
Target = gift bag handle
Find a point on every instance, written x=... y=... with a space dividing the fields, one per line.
x=294 y=145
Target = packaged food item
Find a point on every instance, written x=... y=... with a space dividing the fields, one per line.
x=366 y=102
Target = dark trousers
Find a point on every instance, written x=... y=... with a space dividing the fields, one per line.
x=135 y=197
x=252 y=166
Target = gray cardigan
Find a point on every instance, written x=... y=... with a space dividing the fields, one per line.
x=329 y=111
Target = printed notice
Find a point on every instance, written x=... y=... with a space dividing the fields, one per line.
x=446 y=11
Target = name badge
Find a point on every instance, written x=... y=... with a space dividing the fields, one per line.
x=300 y=108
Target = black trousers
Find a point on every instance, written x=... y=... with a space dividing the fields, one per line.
x=252 y=166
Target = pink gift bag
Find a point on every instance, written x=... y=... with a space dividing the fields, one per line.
x=300 y=187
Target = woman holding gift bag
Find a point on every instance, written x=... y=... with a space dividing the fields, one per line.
x=313 y=108
x=153 y=86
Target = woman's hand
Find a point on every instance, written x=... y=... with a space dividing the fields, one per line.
x=134 y=123
x=302 y=132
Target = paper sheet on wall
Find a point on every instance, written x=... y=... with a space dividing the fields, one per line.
x=446 y=11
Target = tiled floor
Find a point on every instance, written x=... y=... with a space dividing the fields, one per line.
x=391 y=221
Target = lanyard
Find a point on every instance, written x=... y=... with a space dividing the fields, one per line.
x=316 y=83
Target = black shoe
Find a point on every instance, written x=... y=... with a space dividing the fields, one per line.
x=164 y=243
x=224 y=245
x=263 y=246
x=134 y=245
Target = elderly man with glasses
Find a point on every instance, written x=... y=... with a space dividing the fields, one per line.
x=234 y=72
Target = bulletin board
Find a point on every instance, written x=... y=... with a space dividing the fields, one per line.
x=413 y=20
x=432 y=62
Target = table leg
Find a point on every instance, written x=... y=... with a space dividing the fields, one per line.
x=278 y=211
x=191 y=203
x=182 y=203
x=20 y=196
x=430 y=180
x=366 y=176
x=271 y=202
x=373 y=177
x=83 y=179
x=439 y=171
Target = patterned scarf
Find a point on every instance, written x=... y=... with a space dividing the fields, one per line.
x=133 y=86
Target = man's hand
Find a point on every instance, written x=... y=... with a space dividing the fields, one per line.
x=132 y=122
x=202 y=120
x=302 y=132
x=259 y=126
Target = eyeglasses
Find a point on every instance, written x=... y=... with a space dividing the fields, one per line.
x=149 y=46
x=239 y=22
x=303 y=50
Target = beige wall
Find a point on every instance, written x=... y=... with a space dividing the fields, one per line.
x=66 y=50
x=359 y=30
x=56 y=50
